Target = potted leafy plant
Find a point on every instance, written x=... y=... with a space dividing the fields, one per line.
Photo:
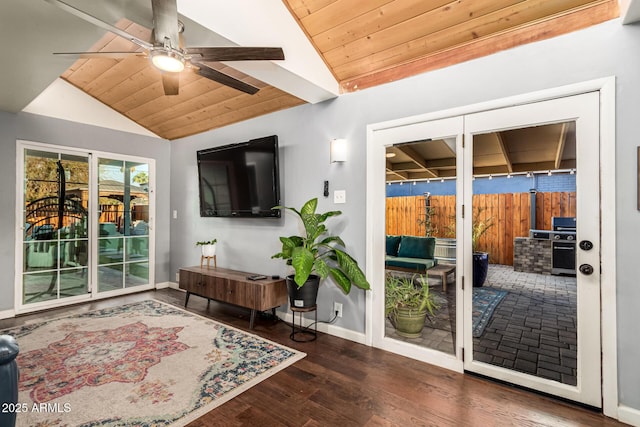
x=480 y=259
x=479 y=227
x=407 y=304
x=319 y=253
x=208 y=247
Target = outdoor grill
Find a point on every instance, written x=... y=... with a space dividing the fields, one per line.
x=563 y=245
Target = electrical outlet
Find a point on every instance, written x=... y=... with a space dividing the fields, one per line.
x=337 y=308
x=178 y=277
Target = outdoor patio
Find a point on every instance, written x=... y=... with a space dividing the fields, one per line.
x=532 y=328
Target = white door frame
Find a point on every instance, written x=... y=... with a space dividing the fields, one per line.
x=375 y=209
x=93 y=294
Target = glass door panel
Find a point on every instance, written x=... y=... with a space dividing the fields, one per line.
x=532 y=328
x=416 y=210
x=421 y=210
x=123 y=238
x=55 y=237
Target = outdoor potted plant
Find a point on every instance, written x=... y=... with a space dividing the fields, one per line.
x=315 y=256
x=407 y=304
x=480 y=259
x=208 y=247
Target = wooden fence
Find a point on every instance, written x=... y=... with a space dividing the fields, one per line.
x=114 y=213
x=509 y=213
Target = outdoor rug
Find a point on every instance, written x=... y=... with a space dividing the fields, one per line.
x=485 y=301
x=141 y=364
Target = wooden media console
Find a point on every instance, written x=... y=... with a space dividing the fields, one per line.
x=234 y=287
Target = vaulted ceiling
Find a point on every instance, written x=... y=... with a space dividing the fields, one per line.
x=331 y=47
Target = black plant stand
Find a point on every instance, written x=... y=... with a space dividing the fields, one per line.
x=304 y=333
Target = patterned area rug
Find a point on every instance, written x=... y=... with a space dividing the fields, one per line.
x=141 y=364
x=485 y=301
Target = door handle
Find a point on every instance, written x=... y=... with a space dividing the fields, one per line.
x=586 y=269
x=586 y=245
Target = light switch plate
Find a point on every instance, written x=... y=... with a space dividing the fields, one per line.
x=340 y=196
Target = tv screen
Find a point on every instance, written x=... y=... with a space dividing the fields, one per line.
x=240 y=180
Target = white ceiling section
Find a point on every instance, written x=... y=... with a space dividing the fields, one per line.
x=267 y=23
x=630 y=11
x=80 y=107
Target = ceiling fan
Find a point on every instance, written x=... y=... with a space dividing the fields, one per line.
x=167 y=52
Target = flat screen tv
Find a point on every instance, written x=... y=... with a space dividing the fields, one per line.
x=240 y=180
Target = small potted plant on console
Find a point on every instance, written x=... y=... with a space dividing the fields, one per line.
x=316 y=256
x=208 y=251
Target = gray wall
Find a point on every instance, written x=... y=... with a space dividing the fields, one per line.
x=606 y=50
x=35 y=128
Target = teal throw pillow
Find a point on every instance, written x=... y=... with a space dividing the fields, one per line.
x=392 y=245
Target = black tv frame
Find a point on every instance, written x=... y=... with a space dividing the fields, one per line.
x=272 y=140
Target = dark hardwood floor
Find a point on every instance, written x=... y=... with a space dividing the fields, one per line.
x=341 y=383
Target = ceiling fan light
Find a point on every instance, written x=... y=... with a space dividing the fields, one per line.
x=167 y=61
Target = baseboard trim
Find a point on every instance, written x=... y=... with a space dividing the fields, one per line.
x=174 y=285
x=629 y=415
x=163 y=285
x=334 y=330
x=7 y=314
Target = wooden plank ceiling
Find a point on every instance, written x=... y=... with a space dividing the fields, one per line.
x=532 y=149
x=133 y=87
x=364 y=43
x=367 y=43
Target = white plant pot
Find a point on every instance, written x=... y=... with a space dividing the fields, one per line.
x=208 y=250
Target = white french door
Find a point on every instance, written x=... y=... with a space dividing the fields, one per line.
x=574 y=371
x=444 y=135
x=84 y=225
x=553 y=344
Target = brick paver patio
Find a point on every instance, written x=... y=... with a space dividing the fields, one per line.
x=532 y=330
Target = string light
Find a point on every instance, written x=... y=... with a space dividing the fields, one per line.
x=508 y=175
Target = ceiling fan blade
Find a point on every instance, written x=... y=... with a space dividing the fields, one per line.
x=100 y=55
x=224 y=79
x=171 y=83
x=99 y=23
x=236 y=53
x=165 y=22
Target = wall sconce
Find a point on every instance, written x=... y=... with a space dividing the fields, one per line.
x=338 y=150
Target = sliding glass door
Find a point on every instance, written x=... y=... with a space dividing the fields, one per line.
x=123 y=233
x=84 y=224
x=54 y=235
